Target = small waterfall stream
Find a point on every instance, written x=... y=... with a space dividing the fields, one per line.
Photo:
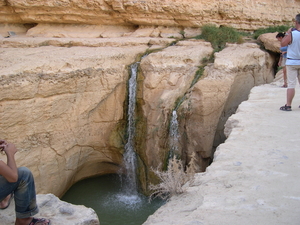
x=117 y=201
x=129 y=161
x=174 y=135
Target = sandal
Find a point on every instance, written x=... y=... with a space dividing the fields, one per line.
x=37 y=221
x=11 y=197
x=286 y=108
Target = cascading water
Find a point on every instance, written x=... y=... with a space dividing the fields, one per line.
x=129 y=182
x=115 y=202
x=174 y=135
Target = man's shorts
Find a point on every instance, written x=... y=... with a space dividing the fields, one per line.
x=293 y=73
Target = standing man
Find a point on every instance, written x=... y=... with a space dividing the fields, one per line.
x=292 y=40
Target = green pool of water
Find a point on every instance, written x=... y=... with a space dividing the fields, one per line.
x=104 y=195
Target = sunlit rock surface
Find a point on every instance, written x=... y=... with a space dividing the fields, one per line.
x=57 y=211
x=63 y=101
x=254 y=178
x=242 y=14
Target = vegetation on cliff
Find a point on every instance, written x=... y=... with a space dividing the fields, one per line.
x=273 y=29
x=219 y=36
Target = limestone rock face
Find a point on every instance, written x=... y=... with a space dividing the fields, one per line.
x=227 y=83
x=63 y=101
x=242 y=14
x=167 y=74
x=64 y=110
x=168 y=77
x=59 y=212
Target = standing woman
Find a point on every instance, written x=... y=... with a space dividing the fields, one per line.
x=18 y=183
x=282 y=59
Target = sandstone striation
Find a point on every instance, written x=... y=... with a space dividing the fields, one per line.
x=102 y=18
x=247 y=14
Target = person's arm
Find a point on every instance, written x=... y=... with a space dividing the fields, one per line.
x=280 y=59
x=287 y=38
x=9 y=171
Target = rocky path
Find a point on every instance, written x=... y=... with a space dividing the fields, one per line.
x=255 y=176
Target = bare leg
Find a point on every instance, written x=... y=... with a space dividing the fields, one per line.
x=284 y=77
x=4 y=202
x=290 y=93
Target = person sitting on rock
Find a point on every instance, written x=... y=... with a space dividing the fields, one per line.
x=18 y=183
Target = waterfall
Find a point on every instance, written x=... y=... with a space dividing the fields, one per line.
x=129 y=182
x=174 y=135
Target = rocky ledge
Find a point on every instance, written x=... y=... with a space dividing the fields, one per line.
x=57 y=211
x=255 y=176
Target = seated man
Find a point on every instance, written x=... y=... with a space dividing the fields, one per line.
x=18 y=183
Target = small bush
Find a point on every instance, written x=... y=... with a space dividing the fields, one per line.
x=219 y=36
x=282 y=28
x=173 y=179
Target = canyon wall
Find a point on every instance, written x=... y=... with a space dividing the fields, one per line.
x=63 y=108
x=118 y=18
x=64 y=80
x=63 y=101
x=205 y=106
x=241 y=14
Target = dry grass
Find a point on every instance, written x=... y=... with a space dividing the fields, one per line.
x=173 y=179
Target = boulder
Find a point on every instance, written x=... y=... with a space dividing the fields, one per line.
x=59 y=212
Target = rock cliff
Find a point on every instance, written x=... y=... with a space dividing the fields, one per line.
x=63 y=101
x=254 y=178
x=243 y=14
x=106 y=18
x=63 y=80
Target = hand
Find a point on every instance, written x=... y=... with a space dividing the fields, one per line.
x=9 y=149
x=2 y=146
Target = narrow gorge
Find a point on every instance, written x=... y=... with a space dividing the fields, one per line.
x=65 y=72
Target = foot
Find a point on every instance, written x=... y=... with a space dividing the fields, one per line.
x=32 y=221
x=286 y=108
x=5 y=202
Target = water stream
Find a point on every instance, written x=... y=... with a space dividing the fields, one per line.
x=174 y=136
x=115 y=198
x=129 y=181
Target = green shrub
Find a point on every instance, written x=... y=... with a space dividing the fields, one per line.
x=282 y=28
x=219 y=36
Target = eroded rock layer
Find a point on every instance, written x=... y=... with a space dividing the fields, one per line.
x=63 y=102
x=242 y=14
